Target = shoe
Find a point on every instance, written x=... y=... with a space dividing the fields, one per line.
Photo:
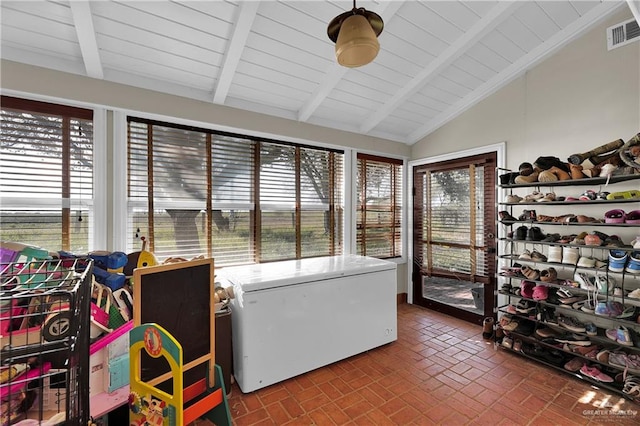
x=586 y=262
x=614 y=216
x=574 y=365
x=540 y=292
x=603 y=356
x=591 y=329
x=512 y=199
x=530 y=273
x=555 y=254
x=623 y=336
x=487 y=328
x=505 y=216
x=535 y=234
x=507 y=342
x=528 y=216
x=526 y=289
x=635 y=294
x=585 y=281
x=548 y=275
x=634 y=263
x=545 y=332
x=538 y=257
x=517 y=345
x=549 y=196
x=506 y=288
x=525 y=306
x=595 y=373
x=632 y=217
x=632 y=386
x=609 y=309
x=521 y=233
x=617 y=260
x=623 y=195
x=571 y=324
x=612 y=334
x=526 y=255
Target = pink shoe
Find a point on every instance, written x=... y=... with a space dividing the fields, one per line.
x=595 y=374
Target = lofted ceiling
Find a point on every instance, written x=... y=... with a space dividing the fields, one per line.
x=437 y=58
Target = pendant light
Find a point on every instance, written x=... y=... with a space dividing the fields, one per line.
x=355 y=34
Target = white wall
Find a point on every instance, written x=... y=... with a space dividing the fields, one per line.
x=580 y=98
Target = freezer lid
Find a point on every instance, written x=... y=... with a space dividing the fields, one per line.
x=290 y=272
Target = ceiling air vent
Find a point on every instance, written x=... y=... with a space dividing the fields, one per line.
x=623 y=33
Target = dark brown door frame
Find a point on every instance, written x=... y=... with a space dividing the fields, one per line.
x=489 y=161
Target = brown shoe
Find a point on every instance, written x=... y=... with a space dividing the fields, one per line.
x=561 y=174
x=576 y=171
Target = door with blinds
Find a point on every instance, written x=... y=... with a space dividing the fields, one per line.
x=454 y=236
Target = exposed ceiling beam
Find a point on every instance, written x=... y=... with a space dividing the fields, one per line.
x=247 y=11
x=335 y=74
x=531 y=59
x=83 y=21
x=634 y=5
x=488 y=22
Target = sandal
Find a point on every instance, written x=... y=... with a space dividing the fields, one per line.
x=530 y=273
x=632 y=386
x=548 y=275
x=632 y=217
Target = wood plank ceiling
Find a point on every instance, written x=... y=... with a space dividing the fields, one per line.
x=437 y=58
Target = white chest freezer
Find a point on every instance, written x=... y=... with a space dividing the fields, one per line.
x=292 y=317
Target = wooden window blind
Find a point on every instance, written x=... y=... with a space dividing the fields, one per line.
x=46 y=174
x=236 y=198
x=379 y=206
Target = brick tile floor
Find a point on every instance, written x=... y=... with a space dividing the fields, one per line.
x=439 y=371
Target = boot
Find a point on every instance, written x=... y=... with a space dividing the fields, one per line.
x=487 y=328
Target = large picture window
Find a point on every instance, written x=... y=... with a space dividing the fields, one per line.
x=241 y=200
x=379 y=206
x=46 y=175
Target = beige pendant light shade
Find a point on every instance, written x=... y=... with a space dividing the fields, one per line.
x=357 y=44
x=355 y=34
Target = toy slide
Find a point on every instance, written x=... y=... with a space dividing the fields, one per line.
x=150 y=406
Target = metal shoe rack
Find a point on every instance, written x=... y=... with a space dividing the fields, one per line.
x=44 y=331
x=544 y=316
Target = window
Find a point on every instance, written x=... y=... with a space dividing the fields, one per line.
x=238 y=199
x=46 y=175
x=379 y=206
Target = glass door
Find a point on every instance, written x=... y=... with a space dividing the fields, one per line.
x=454 y=236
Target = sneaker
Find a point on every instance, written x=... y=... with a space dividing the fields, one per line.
x=586 y=282
x=617 y=260
x=513 y=199
x=573 y=339
x=623 y=336
x=612 y=334
x=525 y=306
x=574 y=365
x=535 y=234
x=591 y=329
x=595 y=373
x=634 y=263
x=571 y=324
